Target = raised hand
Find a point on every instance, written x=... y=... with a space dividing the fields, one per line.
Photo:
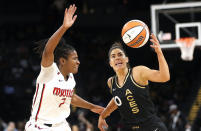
x=69 y=17
x=156 y=45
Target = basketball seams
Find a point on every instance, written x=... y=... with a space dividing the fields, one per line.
x=131 y=29
x=146 y=38
x=135 y=33
x=146 y=30
x=134 y=44
x=136 y=36
x=130 y=25
x=133 y=23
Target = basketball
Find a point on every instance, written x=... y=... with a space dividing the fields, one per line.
x=135 y=33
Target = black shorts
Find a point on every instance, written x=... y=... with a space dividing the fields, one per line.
x=152 y=125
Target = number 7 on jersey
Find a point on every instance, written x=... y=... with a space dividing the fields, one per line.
x=64 y=99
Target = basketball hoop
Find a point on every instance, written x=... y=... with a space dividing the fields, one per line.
x=187 y=46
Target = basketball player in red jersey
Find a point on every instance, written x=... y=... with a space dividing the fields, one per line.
x=55 y=83
x=130 y=90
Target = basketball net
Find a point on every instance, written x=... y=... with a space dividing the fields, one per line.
x=187 y=46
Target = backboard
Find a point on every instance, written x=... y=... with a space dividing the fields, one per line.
x=176 y=20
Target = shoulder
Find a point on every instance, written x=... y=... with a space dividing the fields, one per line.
x=109 y=82
x=47 y=73
x=139 y=74
x=139 y=69
x=53 y=66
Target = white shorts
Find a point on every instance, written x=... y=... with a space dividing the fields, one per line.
x=36 y=126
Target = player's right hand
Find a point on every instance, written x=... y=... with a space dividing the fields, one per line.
x=69 y=17
x=155 y=45
x=102 y=125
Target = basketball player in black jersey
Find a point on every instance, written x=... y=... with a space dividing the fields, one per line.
x=130 y=91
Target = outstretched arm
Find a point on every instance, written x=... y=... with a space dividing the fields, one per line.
x=48 y=53
x=108 y=110
x=161 y=75
x=79 y=102
x=102 y=125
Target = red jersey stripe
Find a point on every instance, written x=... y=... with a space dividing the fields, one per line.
x=41 y=98
x=37 y=87
x=36 y=94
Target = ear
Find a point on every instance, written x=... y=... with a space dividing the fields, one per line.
x=62 y=61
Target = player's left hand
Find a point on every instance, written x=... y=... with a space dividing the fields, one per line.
x=156 y=45
x=102 y=125
x=69 y=17
x=97 y=109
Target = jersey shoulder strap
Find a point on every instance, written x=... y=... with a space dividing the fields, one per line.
x=112 y=81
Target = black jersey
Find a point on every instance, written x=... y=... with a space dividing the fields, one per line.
x=134 y=103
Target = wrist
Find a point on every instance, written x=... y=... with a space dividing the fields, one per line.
x=64 y=27
x=101 y=116
x=159 y=52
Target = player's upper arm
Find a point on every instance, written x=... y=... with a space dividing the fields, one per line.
x=109 y=82
x=47 y=57
x=151 y=75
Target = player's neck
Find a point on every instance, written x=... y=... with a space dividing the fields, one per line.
x=65 y=74
x=122 y=73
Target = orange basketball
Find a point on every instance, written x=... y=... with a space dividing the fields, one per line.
x=135 y=33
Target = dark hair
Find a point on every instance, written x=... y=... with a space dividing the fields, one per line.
x=117 y=45
x=62 y=49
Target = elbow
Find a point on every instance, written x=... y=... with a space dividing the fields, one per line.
x=73 y=99
x=165 y=78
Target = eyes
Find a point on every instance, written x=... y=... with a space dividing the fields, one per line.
x=120 y=54
x=73 y=56
x=75 y=59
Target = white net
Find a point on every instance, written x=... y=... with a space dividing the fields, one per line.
x=187 y=46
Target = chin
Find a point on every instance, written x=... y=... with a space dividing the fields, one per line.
x=119 y=68
x=75 y=72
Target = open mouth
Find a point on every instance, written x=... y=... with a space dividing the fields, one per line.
x=118 y=64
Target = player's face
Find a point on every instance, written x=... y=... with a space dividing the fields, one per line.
x=118 y=59
x=72 y=63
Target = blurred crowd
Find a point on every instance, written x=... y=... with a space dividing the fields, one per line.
x=20 y=66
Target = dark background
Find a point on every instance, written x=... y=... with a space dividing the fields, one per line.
x=98 y=25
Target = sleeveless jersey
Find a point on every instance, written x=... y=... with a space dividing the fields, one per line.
x=52 y=98
x=134 y=103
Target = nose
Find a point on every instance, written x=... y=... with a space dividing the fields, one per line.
x=117 y=58
x=78 y=62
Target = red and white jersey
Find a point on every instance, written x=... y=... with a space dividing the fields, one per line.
x=51 y=102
